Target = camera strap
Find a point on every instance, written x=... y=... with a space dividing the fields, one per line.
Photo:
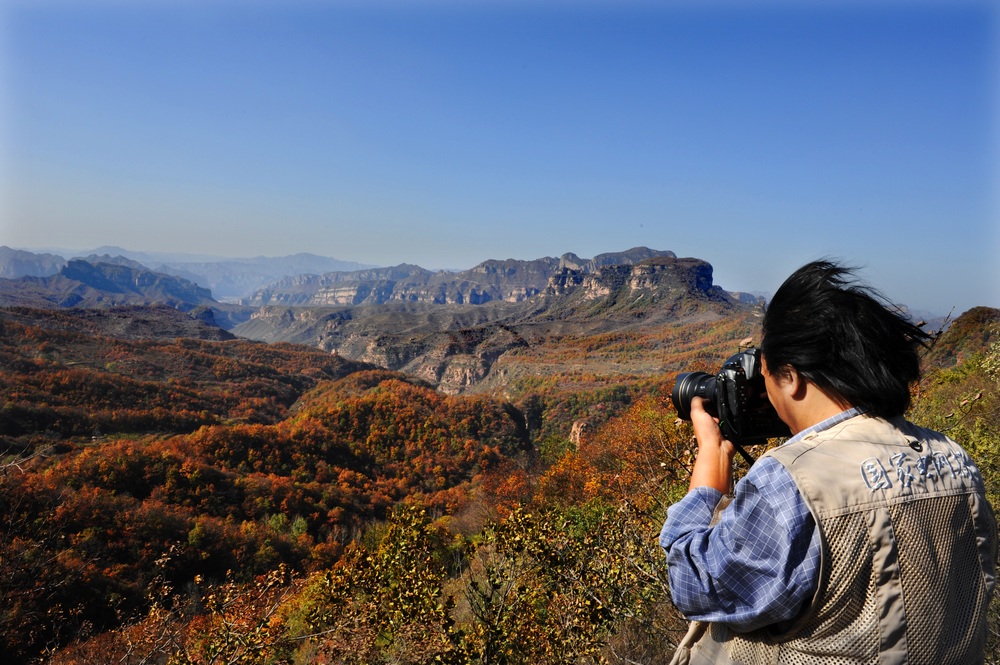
x=743 y=453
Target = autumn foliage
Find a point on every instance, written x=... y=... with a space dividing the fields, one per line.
x=201 y=502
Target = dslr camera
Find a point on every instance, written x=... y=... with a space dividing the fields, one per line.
x=736 y=396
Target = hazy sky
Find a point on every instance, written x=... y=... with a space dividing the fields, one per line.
x=754 y=135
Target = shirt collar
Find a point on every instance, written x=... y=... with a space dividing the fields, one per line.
x=828 y=423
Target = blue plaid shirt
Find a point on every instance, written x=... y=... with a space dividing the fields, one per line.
x=759 y=565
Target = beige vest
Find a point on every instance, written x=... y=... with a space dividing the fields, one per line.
x=908 y=549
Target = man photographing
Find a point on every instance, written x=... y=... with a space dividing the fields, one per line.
x=863 y=538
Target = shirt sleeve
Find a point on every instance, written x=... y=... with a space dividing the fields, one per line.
x=758 y=566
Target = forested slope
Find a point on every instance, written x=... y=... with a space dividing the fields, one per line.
x=201 y=501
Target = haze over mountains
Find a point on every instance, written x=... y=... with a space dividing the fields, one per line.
x=448 y=328
x=228 y=279
x=298 y=280
x=477 y=329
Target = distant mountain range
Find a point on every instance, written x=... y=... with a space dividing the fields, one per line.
x=105 y=282
x=492 y=280
x=228 y=279
x=429 y=325
x=448 y=328
x=114 y=276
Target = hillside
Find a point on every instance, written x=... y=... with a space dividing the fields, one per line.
x=163 y=495
x=969 y=334
x=182 y=498
x=128 y=322
x=116 y=449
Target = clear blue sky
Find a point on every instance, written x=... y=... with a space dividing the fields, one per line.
x=756 y=136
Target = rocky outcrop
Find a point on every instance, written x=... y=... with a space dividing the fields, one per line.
x=630 y=257
x=664 y=277
x=450 y=360
x=371 y=286
x=578 y=432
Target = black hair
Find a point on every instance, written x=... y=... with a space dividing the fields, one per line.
x=844 y=337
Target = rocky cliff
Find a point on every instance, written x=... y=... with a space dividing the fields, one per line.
x=662 y=276
x=458 y=343
x=507 y=280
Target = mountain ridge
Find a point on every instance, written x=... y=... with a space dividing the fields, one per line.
x=461 y=346
x=289 y=281
x=229 y=279
x=465 y=331
x=80 y=283
x=509 y=280
x=457 y=331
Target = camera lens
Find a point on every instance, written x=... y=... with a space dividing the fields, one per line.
x=688 y=386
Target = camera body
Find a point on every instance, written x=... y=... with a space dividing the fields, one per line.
x=736 y=396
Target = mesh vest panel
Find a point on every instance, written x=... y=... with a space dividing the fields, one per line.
x=843 y=629
x=949 y=622
x=909 y=549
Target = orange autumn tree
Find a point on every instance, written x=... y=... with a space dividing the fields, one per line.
x=627 y=458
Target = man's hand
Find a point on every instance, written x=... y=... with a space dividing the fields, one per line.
x=714 y=465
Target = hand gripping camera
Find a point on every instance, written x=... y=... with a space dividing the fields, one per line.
x=736 y=396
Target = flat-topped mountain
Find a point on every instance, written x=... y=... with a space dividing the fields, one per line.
x=461 y=344
x=493 y=280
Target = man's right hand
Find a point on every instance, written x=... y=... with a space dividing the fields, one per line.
x=714 y=465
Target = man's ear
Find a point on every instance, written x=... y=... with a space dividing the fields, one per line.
x=791 y=382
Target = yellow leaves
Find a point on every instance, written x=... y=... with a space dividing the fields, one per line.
x=550 y=586
x=386 y=596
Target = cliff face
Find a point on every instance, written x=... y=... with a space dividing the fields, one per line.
x=658 y=279
x=460 y=331
x=494 y=280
